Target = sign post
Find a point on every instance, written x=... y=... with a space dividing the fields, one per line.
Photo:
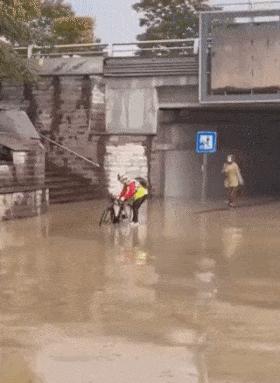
x=204 y=177
x=206 y=142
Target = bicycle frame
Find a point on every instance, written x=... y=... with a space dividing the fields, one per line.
x=110 y=213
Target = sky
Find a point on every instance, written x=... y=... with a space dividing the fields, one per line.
x=116 y=21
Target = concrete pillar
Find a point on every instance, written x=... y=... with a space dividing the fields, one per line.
x=125 y=158
x=131 y=107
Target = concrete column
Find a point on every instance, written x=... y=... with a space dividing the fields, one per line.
x=129 y=158
x=131 y=107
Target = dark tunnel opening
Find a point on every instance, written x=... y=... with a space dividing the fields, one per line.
x=251 y=134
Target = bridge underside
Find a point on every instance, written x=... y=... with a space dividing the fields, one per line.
x=251 y=133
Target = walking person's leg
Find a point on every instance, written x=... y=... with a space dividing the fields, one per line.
x=136 y=206
x=135 y=209
x=232 y=196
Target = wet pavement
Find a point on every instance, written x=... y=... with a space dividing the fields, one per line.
x=191 y=295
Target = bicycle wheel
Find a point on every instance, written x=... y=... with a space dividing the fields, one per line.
x=130 y=213
x=106 y=217
x=127 y=214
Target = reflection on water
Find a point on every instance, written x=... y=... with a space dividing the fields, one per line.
x=232 y=238
x=15 y=369
x=180 y=298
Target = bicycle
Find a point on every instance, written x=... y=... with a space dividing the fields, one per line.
x=108 y=215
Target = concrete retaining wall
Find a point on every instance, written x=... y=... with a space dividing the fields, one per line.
x=68 y=109
x=21 y=204
x=111 y=121
x=27 y=168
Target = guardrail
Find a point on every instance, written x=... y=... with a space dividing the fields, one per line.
x=247 y=5
x=151 y=48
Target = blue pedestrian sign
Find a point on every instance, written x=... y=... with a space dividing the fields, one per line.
x=206 y=142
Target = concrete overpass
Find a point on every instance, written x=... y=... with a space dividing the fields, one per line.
x=139 y=115
x=93 y=102
x=135 y=86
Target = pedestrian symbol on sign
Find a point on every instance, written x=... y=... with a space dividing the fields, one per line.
x=206 y=142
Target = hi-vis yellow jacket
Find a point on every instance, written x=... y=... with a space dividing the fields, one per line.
x=140 y=192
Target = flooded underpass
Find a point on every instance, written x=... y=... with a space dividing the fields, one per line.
x=191 y=295
x=250 y=133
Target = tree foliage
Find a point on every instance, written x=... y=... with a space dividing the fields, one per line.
x=14 y=67
x=73 y=30
x=14 y=18
x=14 y=29
x=169 y=19
x=24 y=22
x=50 y=11
x=54 y=9
x=23 y=10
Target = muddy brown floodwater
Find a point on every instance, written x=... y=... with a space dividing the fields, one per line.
x=188 y=296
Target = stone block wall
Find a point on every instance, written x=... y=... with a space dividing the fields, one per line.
x=76 y=111
x=7 y=174
x=71 y=111
x=21 y=190
x=93 y=114
x=41 y=103
x=27 y=168
x=125 y=155
x=23 y=203
x=98 y=109
x=13 y=94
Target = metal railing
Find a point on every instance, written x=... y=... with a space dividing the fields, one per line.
x=157 y=47
x=153 y=47
x=69 y=150
x=247 y=5
x=188 y=46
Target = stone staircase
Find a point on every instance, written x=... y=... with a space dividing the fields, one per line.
x=65 y=187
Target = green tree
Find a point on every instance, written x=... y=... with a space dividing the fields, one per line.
x=59 y=25
x=24 y=22
x=14 y=18
x=50 y=11
x=169 y=19
x=54 y=9
x=73 y=30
